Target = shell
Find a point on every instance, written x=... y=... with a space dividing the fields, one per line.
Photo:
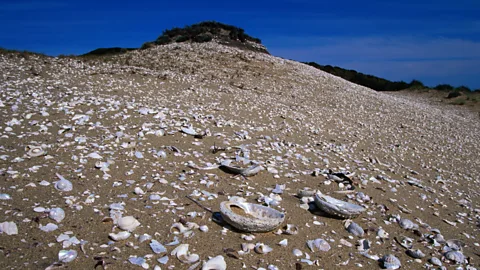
x=435 y=261
x=404 y=241
x=128 y=223
x=354 y=228
x=407 y=224
x=455 y=244
x=261 y=248
x=4 y=196
x=415 y=253
x=63 y=184
x=390 y=262
x=215 y=263
x=35 y=151
x=319 y=244
x=297 y=252
x=290 y=229
x=181 y=251
x=178 y=228
x=336 y=207
x=455 y=256
x=66 y=256
x=56 y=214
x=119 y=236
x=251 y=217
x=306 y=193
x=157 y=247
x=8 y=227
x=283 y=243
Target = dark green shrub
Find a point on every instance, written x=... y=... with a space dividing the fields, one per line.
x=202 y=38
x=182 y=39
x=454 y=94
x=444 y=87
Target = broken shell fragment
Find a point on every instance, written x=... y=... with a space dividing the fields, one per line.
x=354 y=228
x=336 y=207
x=261 y=248
x=390 y=262
x=251 y=217
x=407 y=224
x=415 y=253
x=119 y=236
x=56 y=214
x=318 y=244
x=183 y=255
x=10 y=228
x=66 y=256
x=157 y=247
x=128 y=223
x=35 y=151
x=63 y=184
x=215 y=263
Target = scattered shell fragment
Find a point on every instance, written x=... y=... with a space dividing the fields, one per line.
x=336 y=207
x=128 y=223
x=251 y=217
x=67 y=256
x=181 y=251
x=261 y=248
x=215 y=263
x=8 y=227
x=56 y=214
x=35 y=151
x=119 y=236
x=415 y=253
x=390 y=262
x=63 y=184
x=318 y=244
x=354 y=228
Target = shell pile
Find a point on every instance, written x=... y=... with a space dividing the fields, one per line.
x=129 y=162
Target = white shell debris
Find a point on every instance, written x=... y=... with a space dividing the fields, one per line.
x=56 y=214
x=215 y=263
x=261 y=248
x=128 y=223
x=8 y=227
x=63 y=184
x=251 y=217
x=181 y=251
x=119 y=236
x=157 y=247
x=67 y=256
x=318 y=244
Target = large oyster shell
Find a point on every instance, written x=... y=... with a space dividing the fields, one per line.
x=251 y=217
x=336 y=207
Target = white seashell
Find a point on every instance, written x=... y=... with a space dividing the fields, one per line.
x=157 y=247
x=128 y=223
x=144 y=237
x=4 y=196
x=139 y=191
x=163 y=260
x=203 y=228
x=119 y=236
x=66 y=256
x=354 y=228
x=283 y=243
x=407 y=224
x=63 y=184
x=297 y=252
x=390 y=262
x=336 y=207
x=290 y=229
x=94 y=155
x=261 y=248
x=415 y=253
x=251 y=217
x=215 y=263
x=35 y=151
x=181 y=251
x=50 y=227
x=455 y=256
x=189 y=131
x=319 y=244
x=56 y=214
x=435 y=261
x=178 y=228
x=8 y=227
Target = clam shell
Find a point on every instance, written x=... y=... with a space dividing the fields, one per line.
x=261 y=248
x=56 y=214
x=415 y=253
x=455 y=256
x=435 y=261
x=181 y=251
x=290 y=229
x=63 y=184
x=251 y=217
x=8 y=227
x=390 y=262
x=35 y=151
x=354 y=228
x=66 y=256
x=407 y=224
x=215 y=263
x=128 y=223
x=336 y=207
x=319 y=244
x=119 y=236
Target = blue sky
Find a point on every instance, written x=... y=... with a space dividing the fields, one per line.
x=433 y=41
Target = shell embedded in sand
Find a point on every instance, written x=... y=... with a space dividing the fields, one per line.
x=251 y=217
x=63 y=184
x=261 y=248
x=215 y=263
x=390 y=262
x=128 y=223
x=119 y=236
x=35 y=151
x=181 y=251
x=336 y=207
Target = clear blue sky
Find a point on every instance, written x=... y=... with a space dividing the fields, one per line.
x=433 y=41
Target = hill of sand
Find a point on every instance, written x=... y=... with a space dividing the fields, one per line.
x=112 y=126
